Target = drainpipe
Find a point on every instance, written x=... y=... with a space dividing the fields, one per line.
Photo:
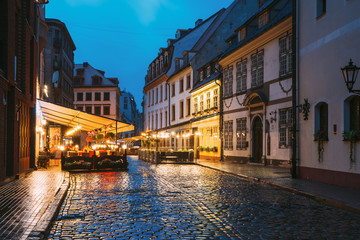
x=294 y=90
x=221 y=117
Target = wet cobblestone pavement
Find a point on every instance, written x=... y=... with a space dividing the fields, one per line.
x=192 y=202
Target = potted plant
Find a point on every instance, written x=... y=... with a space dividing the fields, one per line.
x=100 y=137
x=351 y=136
x=200 y=148
x=320 y=136
x=110 y=136
x=207 y=149
x=214 y=149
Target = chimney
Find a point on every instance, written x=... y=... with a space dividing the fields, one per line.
x=198 y=22
x=85 y=64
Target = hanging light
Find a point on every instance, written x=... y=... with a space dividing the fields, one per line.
x=350 y=73
x=41 y=1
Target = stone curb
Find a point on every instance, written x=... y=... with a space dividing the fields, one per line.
x=328 y=201
x=42 y=227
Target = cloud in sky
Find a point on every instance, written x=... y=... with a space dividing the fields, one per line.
x=147 y=10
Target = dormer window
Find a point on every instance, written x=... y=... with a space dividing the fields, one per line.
x=201 y=75
x=242 y=34
x=96 y=80
x=208 y=72
x=186 y=59
x=177 y=64
x=263 y=19
x=79 y=71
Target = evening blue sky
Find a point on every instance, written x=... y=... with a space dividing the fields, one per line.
x=122 y=37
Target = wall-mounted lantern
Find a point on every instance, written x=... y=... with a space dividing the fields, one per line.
x=350 y=73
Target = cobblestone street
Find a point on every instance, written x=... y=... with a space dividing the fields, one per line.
x=192 y=202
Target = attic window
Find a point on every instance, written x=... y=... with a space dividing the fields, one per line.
x=79 y=71
x=263 y=19
x=242 y=34
x=96 y=80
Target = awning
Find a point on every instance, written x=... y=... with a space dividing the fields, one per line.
x=72 y=118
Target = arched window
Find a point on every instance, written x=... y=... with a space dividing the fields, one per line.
x=352 y=114
x=321 y=117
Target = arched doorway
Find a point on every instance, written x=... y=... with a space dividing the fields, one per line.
x=257 y=140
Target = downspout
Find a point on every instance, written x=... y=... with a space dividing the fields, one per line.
x=294 y=90
x=221 y=117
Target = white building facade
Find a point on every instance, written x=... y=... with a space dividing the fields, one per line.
x=94 y=93
x=328 y=33
x=257 y=98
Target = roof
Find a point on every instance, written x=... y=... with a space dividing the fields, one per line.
x=282 y=13
x=72 y=118
x=63 y=26
x=204 y=82
x=89 y=72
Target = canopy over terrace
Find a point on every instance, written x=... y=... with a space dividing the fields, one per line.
x=73 y=118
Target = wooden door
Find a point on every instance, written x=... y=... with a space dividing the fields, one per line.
x=257 y=140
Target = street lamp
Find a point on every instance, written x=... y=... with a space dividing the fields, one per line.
x=41 y=1
x=350 y=73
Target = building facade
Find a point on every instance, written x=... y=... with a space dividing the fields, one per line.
x=59 y=65
x=327 y=151
x=94 y=93
x=168 y=103
x=129 y=113
x=19 y=52
x=257 y=84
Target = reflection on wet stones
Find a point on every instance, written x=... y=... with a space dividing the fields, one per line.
x=184 y=202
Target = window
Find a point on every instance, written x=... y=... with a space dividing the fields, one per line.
x=195 y=105
x=88 y=108
x=241 y=75
x=188 y=82
x=173 y=112
x=228 y=135
x=125 y=103
x=228 y=81
x=161 y=93
x=97 y=96
x=181 y=87
x=80 y=96
x=80 y=107
x=97 y=110
x=88 y=96
x=216 y=97
x=285 y=127
x=149 y=98
x=177 y=65
x=173 y=90
x=208 y=100
x=181 y=109
x=188 y=107
x=161 y=119
x=157 y=95
x=156 y=121
x=106 y=96
x=285 y=55
x=208 y=71
x=257 y=69
x=149 y=123
x=153 y=97
x=241 y=133
x=320 y=8
x=165 y=90
x=96 y=80
x=186 y=59
x=166 y=118
x=201 y=75
x=106 y=110
x=352 y=114
x=321 y=117
x=201 y=103
x=242 y=34
x=263 y=19
x=152 y=121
